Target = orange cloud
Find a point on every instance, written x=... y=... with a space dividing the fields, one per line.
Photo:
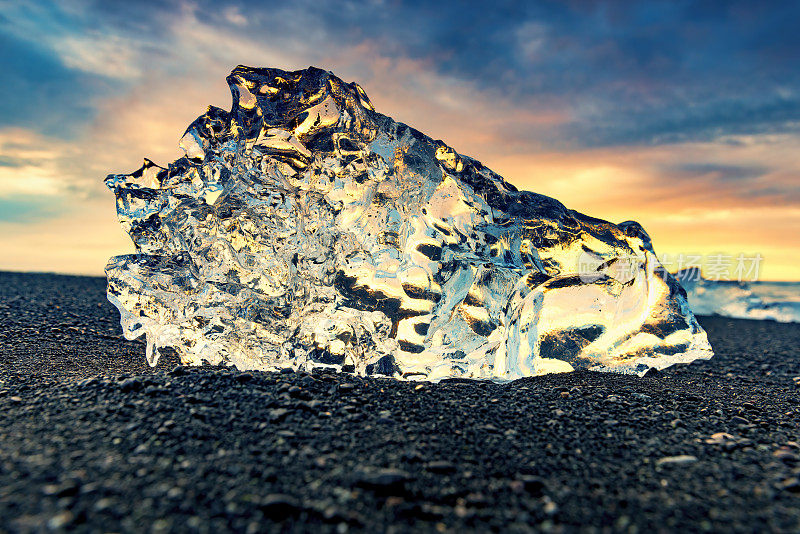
x=682 y=214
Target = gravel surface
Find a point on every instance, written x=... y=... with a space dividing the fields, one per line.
x=92 y=439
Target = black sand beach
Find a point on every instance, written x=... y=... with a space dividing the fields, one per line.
x=92 y=439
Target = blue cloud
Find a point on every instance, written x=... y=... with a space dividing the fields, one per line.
x=39 y=93
x=7 y=161
x=649 y=72
x=645 y=72
x=723 y=173
x=30 y=208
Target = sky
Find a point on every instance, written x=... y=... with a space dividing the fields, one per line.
x=682 y=115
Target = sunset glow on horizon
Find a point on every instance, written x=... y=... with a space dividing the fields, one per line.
x=684 y=119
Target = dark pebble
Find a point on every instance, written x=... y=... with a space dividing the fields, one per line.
x=130 y=384
x=244 y=377
x=67 y=489
x=61 y=520
x=532 y=484
x=383 y=480
x=279 y=507
x=791 y=484
x=442 y=467
x=277 y=415
x=786 y=456
x=346 y=388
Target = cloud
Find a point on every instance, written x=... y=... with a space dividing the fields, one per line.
x=667 y=112
x=38 y=92
x=233 y=15
x=753 y=172
x=718 y=171
x=29 y=208
x=532 y=39
x=147 y=118
x=650 y=73
x=101 y=54
x=30 y=164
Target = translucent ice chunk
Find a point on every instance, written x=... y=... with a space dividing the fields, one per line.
x=305 y=229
